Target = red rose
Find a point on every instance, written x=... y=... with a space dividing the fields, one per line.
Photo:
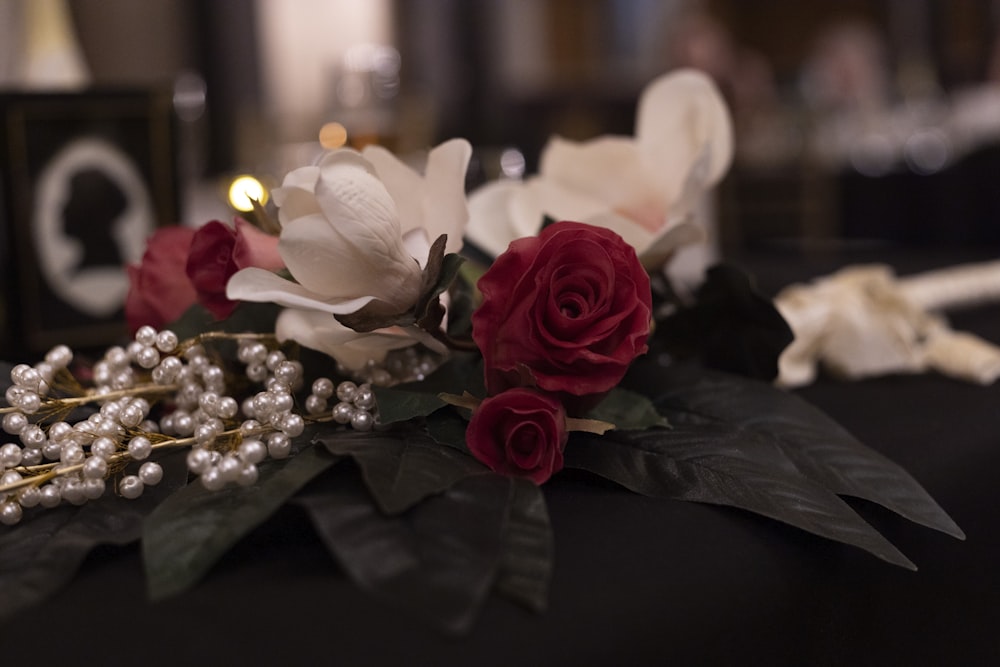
x=218 y=251
x=571 y=306
x=520 y=432
x=159 y=291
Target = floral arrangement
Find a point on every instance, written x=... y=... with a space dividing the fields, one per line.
x=347 y=357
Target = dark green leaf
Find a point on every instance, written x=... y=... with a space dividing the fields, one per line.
x=398 y=405
x=193 y=528
x=248 y=316
x=627 y=410
x=437 y=560
x=725 y=465
x=402 y=466
x=527 y=559
x=42 y=554
x=447 y=427
x=819 y=447
x=729 y=327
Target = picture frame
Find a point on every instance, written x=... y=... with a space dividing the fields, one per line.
x=85 y=178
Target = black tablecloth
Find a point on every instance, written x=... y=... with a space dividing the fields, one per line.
x=638 y=581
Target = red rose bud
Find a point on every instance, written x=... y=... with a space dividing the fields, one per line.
x=572 y=306
x=218 y=251
x=159 y=291
x=520 y=433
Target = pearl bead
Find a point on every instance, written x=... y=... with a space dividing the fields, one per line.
x=31 y=456
x=364 y=398
x=316 y=405
x=29 y=496
x=103 y=447
x=346 y=391
x=292 y=425
x=10 y=513
x=147 y=357
x=212 y=480
x=10 y=477
x=93 y=488
x=14 y=422
x=51 y=451
x=252 y=451
x=342 y=412
x=32 y=435
x=227 y=408
x=51 y=496
x=131 y=487
x=140 y=447
x=72 y=492
x=256 y=372
x=59 y=356
x=205 y=434
x=72 y=454
x=131 y=416
x=279 y=446
x=274 y=358
x=183 y=424
x=146 y=335
x=166 y=341
x=10 y=455
x=95 y=468
x=286 y=371
x=229 y=467
x=116 y=356
x=199 y=461
x=17 y=372
x=281 y=401
x=248 y=475
x=323 y=387
x=150 y=473
x=362 y=421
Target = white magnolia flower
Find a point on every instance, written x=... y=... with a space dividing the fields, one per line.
x=356 y=228
x=643 y=188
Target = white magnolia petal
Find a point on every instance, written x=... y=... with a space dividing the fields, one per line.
x=295 y=197
x=497 y=211
x=321 y=332
x=445 y=209
x=417 y=245
x=404 y=185
x=678 y=234
x=359 y=209
x=607 y=169
x=563 y=203
x=259 y=285
x=678 y=115
x=331 y=264
x=631 y=233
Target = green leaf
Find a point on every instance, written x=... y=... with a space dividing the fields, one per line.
x=527 y=560
x=730 y=327
x=402 y=466
x=438 y=560
x=42 y=554
x=194 y=527
x=399 y=405
x=463 y=372
x=627 y=410
x=248 y=316
x=820 y=448
x=714 y=463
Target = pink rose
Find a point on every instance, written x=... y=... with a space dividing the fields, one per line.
x=571 y=307
x=520 y=432
x=159 y=291
x=218 y=251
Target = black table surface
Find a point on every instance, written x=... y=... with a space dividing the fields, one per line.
x=638 y=581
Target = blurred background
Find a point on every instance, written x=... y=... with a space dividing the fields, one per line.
x=855 y=119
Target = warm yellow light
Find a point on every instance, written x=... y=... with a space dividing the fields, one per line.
x=332 y=135
x=244 y=190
